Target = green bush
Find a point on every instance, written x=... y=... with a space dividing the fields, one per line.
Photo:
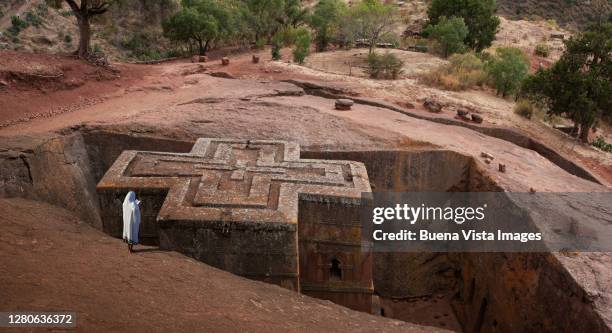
x=17 y=24
x=449 y=35
x=463 y=71
x=385 y=66
x=142 y=46
x=507 y=70
x=278 y=41
x=524 y=109
x=33 y=19
x=302 y=45
x=601 y=143
x=260 y=43
x=542 y=50
x=68 y=39
x=276 y=55
x=42 y=9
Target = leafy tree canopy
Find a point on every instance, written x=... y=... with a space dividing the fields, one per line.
x=325 y=20
x=478 y=15
x=450 y=34
x=508 y=70
x=579 y=85
x=202 y=21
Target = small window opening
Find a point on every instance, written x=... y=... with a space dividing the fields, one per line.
x=335 y=272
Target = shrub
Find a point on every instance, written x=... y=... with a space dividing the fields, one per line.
x=276 y=55
x=542 y=50
x=42 y=9
x=601 y=143
x=68 y=39
x=385 y=66
x=260 y=43
x=33 y=19
x=277 y=44
x=524 y=109
x=17 y=24
x=142 y=46
x=449 y=35
x=507 y=70
x=302 y=45
x=463 y=71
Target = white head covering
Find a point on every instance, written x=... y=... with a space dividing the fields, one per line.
x=131 y=218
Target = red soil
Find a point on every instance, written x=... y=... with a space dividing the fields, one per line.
x=42 y=85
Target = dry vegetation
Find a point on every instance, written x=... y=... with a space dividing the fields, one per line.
x=463 y=71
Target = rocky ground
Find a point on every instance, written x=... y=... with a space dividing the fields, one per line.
x=52 y=260
x=184 y=101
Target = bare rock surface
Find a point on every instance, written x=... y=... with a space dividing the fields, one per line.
x=66 y=264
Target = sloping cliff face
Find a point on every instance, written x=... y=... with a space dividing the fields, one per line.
x=572 y=14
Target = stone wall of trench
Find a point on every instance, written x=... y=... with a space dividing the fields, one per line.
x=490 y=292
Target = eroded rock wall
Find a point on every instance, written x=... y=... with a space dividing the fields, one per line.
x=55 y=170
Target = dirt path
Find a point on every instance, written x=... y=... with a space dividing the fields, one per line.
x=52 y=261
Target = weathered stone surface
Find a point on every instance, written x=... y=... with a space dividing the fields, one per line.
x=344 y=104
x=463 y=114
x=234 y=204
x=432 y=105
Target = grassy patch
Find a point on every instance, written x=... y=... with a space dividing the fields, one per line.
x=463 y=71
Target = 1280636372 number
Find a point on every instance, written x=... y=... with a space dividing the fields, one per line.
x=37 y=319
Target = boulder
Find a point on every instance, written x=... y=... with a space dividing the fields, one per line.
x=487 y=156
x=432 y=105
x=344 y=104
x=476 y=118
x=255 y=59
x=225 y=61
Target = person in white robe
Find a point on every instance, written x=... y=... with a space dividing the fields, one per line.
x=131 y=220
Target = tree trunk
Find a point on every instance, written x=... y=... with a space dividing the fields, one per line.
x=206 y=47
x=85 y=37
x=201 y=47
x=575 y=130
x=584 y=133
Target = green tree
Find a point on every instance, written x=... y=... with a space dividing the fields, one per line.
x=303 y=39
x=579 y=85
x=507 y=70
x=265 y=18
x=325 y=20
x=370 y=20
x=450 y=34
x=478 y=15
x=84 y=11
x=201 y=21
